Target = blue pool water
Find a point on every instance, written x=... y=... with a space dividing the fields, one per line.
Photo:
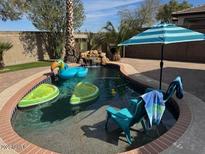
x=61 y=127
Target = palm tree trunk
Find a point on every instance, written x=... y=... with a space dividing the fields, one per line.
x=1 y=61
x=71 y=54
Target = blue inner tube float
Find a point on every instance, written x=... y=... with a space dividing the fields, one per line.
x=66 y=72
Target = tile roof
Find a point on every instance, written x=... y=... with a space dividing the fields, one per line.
x=198 y=9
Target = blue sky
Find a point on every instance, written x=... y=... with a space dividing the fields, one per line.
x=97 y=12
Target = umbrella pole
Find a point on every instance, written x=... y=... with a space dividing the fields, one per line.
x=161 y=66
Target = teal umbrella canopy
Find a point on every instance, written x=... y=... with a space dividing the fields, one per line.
x=164 y=34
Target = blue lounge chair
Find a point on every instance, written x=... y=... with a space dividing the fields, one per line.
x=126 y=118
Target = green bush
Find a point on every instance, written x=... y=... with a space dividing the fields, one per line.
x=4 y=46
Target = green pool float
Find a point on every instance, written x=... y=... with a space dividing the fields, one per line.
x=84 y=92
x=43 y=93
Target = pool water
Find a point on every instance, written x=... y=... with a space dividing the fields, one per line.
x=63 y=128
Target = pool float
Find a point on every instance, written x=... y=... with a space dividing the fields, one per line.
x=84 y=92
x=66 y=72
x=42 y=94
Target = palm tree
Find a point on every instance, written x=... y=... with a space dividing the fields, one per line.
x=71 y=54
x=4 y=46
x=111 y=37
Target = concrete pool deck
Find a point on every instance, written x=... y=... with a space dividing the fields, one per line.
x=193 y=139
x=193 y=75
x=5 y=96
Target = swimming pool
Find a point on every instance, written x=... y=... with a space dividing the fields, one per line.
x=63 y=128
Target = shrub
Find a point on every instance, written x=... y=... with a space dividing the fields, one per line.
x=4 y=46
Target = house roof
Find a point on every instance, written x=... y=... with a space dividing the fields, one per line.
x=194 y=10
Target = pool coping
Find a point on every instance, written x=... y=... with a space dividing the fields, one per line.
x=171 y=136
x=10 y=137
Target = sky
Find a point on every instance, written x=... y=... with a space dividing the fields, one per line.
x=97 y=12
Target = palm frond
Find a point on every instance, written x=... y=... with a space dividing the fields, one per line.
x=4 y=46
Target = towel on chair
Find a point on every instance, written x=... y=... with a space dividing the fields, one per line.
x=179 y=87
x=154 y=106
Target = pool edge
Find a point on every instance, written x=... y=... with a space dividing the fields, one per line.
x=171 y=136
x=9 y=136
x=12 y=142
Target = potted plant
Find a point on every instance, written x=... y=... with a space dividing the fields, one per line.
x=115 y=53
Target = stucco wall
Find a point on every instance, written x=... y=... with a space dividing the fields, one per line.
x=17 y=54
x=27 y=46
x=192 y=51
x=195 y=22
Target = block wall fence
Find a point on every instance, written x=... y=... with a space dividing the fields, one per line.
x=28 y=46
x=190 y=51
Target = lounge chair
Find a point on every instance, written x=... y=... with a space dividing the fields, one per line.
x=127 y=117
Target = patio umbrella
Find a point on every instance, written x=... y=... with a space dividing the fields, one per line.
x=164 y=34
